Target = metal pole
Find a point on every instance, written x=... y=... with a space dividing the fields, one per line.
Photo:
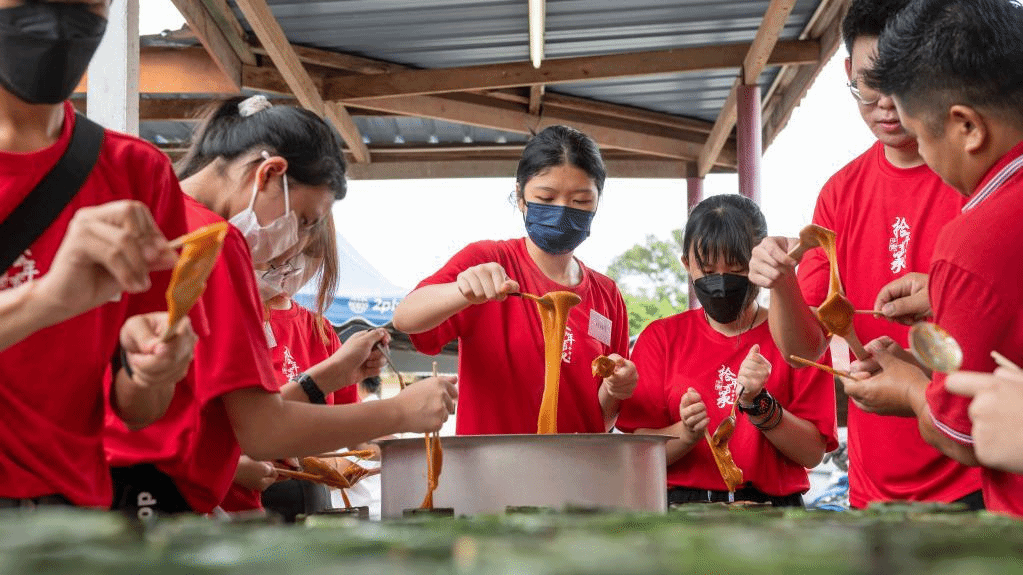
x=694 y=195
x=748 y=137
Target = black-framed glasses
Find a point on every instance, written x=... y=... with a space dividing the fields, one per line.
x=855 y=91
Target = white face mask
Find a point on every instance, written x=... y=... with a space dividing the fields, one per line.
x=284 y=279
x=269 y=241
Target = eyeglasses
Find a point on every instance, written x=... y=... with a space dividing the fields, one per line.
x=870 y=100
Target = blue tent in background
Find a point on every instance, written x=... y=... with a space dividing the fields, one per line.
x=364 y=295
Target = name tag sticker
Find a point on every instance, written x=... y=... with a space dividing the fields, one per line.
x=600 y=327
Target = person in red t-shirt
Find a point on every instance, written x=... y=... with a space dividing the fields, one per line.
x=962 y=98
x=300 y=339
x=500 y=341
x=887 y=208
x=82 y=289
x=273 y=172
x=695 y=365
x=996 y=405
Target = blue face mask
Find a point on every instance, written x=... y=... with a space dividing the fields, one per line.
x=557 y=229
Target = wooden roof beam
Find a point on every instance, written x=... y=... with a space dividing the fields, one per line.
x=224 y=18
x=563 y=70
x=212 y=38
x=535 y=99
x=792 y=82
x=607 y=132
x=756 y=59
x=272 y=37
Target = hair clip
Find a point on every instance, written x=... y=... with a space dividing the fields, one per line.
x=252 y=105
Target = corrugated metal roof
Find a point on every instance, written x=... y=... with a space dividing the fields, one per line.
x=450 y=33
x=376 y=131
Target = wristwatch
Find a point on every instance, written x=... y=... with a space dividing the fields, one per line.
x=311 y=389
x=762 y=404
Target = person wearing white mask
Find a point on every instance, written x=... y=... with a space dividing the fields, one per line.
x=302 y=341
x=273 y=172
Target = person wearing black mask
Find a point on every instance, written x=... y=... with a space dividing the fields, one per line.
x=696 y=365
x=501 y=365
x=84 y=215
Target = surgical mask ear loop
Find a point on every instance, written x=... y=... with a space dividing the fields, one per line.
x=287 y=199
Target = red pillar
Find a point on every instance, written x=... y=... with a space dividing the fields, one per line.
x=694 y=195
x=748 y=137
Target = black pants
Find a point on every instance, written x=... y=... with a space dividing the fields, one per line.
x=974 y=501
x=142 y=491
x=680 y=495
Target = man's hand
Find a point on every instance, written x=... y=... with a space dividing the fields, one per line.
x=770 y=261
x=108 y=249
x=891 y=391
x=156 y=367
x=622 y=382
x=995 y=412
x=153 y=363
x=905 y=299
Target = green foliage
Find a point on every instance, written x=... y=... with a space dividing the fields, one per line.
x=652 y=280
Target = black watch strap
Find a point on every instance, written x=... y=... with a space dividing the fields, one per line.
x=762 y=404
x=311 y=389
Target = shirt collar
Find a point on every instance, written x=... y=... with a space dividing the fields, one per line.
x=999 y=173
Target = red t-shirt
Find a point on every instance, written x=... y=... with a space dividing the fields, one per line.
x=52 y=392
x=194 y=443
x=500 y=346
x=683 y=351
x=887 y=220
x=298 y=347
x=975 y=291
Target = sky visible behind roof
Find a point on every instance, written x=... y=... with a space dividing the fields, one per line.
x=409 y=228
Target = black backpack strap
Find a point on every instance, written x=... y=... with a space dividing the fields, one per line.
x=53 y=193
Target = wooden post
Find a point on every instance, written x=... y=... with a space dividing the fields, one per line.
x=114 y=72
x=748 y=137
x=694 y=195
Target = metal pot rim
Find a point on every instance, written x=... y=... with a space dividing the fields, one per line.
x=532 y=438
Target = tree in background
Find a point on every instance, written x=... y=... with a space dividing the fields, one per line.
x=652 y=280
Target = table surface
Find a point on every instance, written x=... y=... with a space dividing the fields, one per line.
x=696 y=539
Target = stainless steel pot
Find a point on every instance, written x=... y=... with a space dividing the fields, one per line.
x=489 y=473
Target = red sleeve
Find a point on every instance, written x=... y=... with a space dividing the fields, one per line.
x=235 y=355
x=814 y=272
x=963 y=302
x=813 y=399
x=158 y=188
x=648 y=406
x=432 y=341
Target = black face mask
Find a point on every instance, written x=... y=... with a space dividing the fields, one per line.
x=45 y=49
x=723 y=296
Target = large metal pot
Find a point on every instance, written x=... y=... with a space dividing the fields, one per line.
x=490 y=473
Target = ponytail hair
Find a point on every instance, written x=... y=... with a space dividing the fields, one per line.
x=242 y=124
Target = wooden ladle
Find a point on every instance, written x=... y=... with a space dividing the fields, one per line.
x=811 y=236
x=718 y=442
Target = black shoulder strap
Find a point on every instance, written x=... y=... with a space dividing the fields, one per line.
x=48 y=199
